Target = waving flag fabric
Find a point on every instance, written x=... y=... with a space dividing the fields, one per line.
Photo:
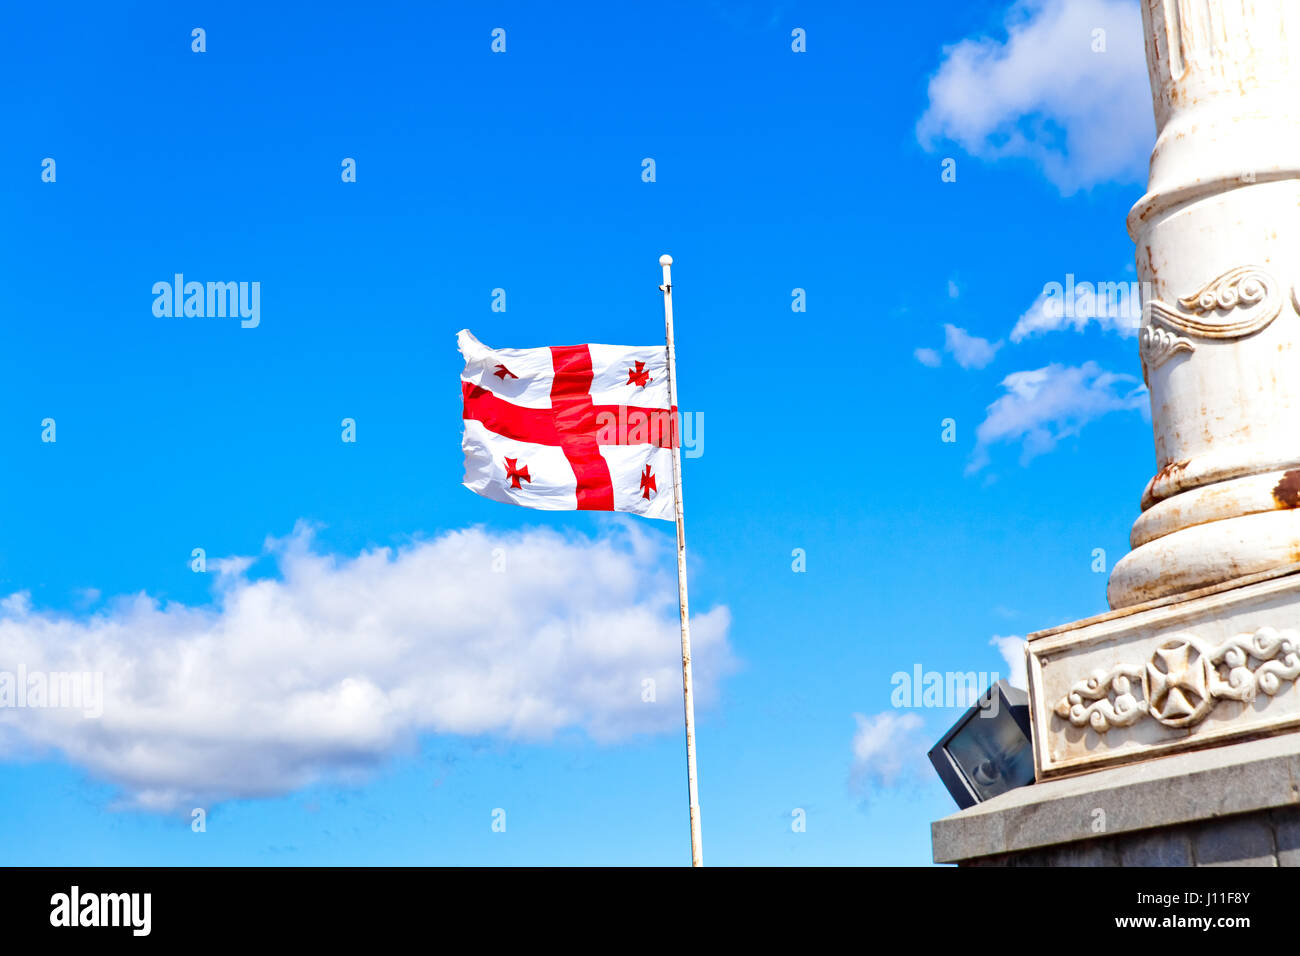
x=570 y=427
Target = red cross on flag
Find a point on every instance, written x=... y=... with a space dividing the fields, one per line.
x=570 y=427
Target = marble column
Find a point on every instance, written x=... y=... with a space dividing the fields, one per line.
x=1218 y=248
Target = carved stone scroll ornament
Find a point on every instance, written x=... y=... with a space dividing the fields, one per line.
x=1183 y=680
x=1157 y=346
x=1238 y=303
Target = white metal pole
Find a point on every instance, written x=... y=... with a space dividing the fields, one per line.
x=697 y=846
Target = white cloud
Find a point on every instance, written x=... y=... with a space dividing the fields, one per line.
x=1012 y=650
x=1043 y=94
x=953 y=291
x=970 y=351
x=1113 y=305
x=339 y=662
x=887 y=747
x=1042 y=406
x=928 y=357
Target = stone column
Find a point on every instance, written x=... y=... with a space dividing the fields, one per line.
x=1218 y=248
x=1198 y=663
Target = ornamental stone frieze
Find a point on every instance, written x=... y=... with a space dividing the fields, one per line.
x=1182 y=680
x=1172 y=674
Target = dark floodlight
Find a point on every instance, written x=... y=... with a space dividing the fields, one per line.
x=990 y=750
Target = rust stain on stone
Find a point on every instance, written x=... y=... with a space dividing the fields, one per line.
x=1287 y=492
x=1168 y=470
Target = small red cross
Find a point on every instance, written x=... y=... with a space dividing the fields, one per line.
x=502 y=372
x=639 y=375
x=648 y=483
x=514 y=474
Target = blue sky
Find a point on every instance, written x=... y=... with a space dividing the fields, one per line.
x=322 y=706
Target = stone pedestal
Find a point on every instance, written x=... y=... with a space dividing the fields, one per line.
x=1227 y=806
x=1163 y=736
x=1173 y=674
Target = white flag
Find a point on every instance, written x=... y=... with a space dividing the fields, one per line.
x=569 y=427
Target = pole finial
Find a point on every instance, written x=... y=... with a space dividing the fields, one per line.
x=665 y=260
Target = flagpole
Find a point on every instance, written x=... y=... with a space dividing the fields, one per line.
x=697 y=847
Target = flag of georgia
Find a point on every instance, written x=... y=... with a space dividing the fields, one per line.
x=569 y=427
